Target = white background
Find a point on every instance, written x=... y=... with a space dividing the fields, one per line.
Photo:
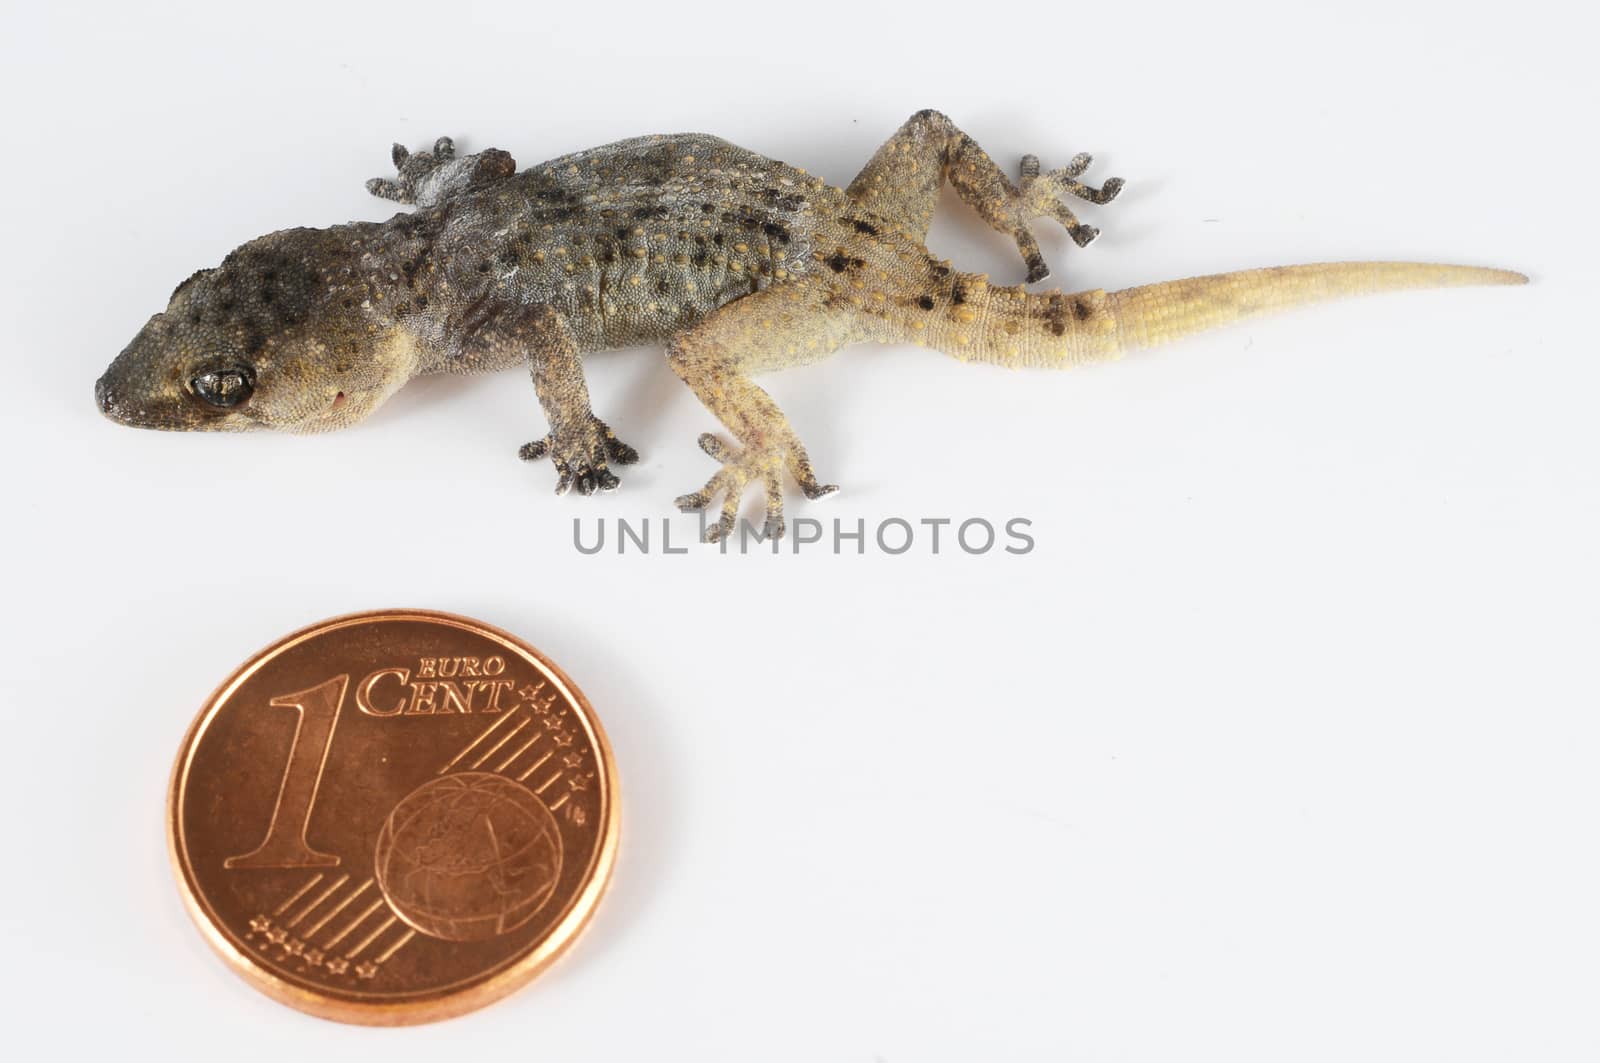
x=1280 y=745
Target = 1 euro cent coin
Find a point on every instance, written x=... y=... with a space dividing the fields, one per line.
x=393 y=817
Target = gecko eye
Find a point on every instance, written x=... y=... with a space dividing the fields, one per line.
x=224 y=387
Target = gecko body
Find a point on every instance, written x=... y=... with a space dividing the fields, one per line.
x=739 y=263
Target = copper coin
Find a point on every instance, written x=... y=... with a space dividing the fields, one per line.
x=393 y=817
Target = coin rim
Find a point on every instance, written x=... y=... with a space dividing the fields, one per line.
x=454 y=1001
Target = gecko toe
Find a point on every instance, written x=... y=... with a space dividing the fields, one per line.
x=815 y=491
x=612 y=447
x=620 y=452
x=723 y=528
x=715 y=448
x=692 y=503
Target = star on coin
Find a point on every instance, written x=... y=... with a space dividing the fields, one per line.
x=277 y=935
x=572 y=760
x=551 y=723
x=562 y=739
x=367 y=970
x=260 y=925
x=528 y=692
x=313 y=957
x=577 y=782
x=338 y=965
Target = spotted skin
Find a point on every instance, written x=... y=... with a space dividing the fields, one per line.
x=739 y=263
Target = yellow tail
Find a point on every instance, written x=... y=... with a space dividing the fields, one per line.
x=1010 y=326
x=1159 y=313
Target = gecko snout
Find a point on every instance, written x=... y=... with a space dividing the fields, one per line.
x=111 y=403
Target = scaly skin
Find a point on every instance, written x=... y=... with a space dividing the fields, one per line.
x=739 y=263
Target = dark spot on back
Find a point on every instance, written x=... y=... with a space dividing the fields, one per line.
x=926 y=302
x=864 y=227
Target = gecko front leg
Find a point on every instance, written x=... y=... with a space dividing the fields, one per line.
x=425 y=178
x=495 y=335
x=581 y=445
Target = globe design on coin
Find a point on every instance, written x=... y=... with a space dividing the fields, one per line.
x=468 y=856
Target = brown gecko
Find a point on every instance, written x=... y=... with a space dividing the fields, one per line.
x=740 y=263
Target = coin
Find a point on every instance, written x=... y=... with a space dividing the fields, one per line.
x=393 y=817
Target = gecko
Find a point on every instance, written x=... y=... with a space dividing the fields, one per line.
x=739 y=264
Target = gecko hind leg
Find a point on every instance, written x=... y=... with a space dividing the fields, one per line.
x=902 y=182
x=789 y=324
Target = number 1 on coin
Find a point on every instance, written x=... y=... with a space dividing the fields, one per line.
x=285 y=844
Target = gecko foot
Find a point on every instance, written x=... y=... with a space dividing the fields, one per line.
x=740 y=468
x=1043 y=195
x=425 y=178
x=581 y=456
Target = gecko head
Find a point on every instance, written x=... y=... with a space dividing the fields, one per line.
x=272 y=338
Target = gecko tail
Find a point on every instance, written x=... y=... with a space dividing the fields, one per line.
x=1055 y=330
x=1154 y=314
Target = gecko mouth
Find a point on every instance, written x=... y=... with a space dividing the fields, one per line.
x=338 y=400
